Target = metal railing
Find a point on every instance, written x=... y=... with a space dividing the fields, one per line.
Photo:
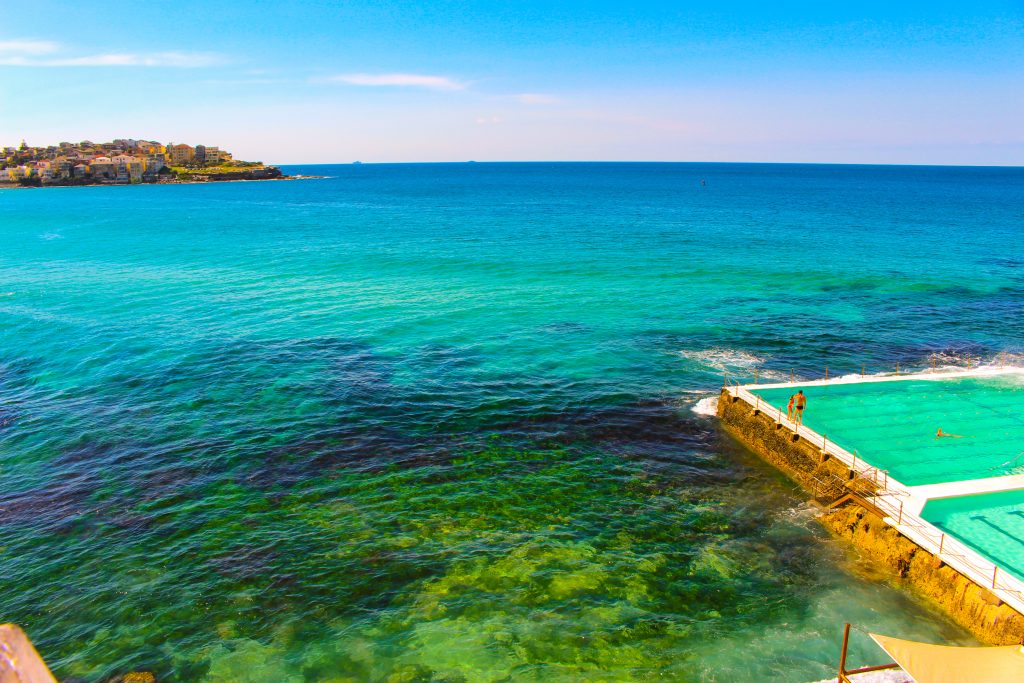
x=890 y=497
x=862 y=468
x=951 y=550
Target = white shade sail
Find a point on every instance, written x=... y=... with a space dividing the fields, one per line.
x=927 y=663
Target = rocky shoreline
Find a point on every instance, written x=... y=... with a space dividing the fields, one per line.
x=240 y=176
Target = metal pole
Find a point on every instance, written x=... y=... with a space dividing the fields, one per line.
x=757 y=376
x=995 y=573
x=942 y=542
x=900 y=520
x=897 y=368
x=842 y=656
x=826 y=372
x=792 y=376
x=861 y=369
x=725 y=378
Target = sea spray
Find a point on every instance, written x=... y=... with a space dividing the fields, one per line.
x=707 y=406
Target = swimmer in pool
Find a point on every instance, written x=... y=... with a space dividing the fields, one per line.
x=939 y=434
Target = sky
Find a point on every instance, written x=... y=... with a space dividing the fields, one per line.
x=333 y=81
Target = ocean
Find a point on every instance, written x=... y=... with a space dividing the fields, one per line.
x=435 y=422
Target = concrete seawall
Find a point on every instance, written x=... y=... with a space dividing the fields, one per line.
x=848 y=515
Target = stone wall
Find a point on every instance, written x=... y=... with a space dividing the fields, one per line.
x=803 y=462
x=974 y=607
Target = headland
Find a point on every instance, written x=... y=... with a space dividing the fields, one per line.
x=125 y=161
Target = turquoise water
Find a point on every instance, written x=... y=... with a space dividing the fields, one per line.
x=433 y=422
x=893 y=425
x=991 y=523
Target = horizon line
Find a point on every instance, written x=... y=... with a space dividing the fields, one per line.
x=639 y=161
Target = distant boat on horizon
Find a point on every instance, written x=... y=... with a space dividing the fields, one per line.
x=354 y=163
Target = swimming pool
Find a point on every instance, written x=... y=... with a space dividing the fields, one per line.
x=991 y=523
x=892 y=424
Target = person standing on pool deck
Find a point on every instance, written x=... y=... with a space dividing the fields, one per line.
x=801 y=403
x=789 y=410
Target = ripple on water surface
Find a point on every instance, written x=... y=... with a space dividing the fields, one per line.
x=425 y=422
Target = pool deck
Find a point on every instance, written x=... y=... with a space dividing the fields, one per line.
x=767 y=430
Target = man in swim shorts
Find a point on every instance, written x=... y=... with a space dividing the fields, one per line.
x=801 y=403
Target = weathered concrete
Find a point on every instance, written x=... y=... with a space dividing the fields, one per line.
x=803 y=462
x=975 y=608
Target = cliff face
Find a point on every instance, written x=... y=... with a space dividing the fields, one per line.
x=197 y=176
x=970 y=605
x=266 y=173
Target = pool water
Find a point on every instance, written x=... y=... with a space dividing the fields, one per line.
x=991 y=523
x=892 y=425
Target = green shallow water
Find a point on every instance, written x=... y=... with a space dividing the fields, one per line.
x=893 y=425
x=434 y=422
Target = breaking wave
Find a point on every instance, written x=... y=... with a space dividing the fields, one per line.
x=706 y=406
x=734 y=361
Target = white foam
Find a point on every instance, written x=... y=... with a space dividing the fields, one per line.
x=721 y=358
x=743 y=366
x=1007 y=372
x=734 y=361
x=706 y=406
x=889 y=676
x=801 y=514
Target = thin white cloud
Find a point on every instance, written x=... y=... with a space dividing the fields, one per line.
x=41 y=53
x=174 y=59
x=399 y=80
x=27 y=47
x=245 y=81
x=534 y=98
